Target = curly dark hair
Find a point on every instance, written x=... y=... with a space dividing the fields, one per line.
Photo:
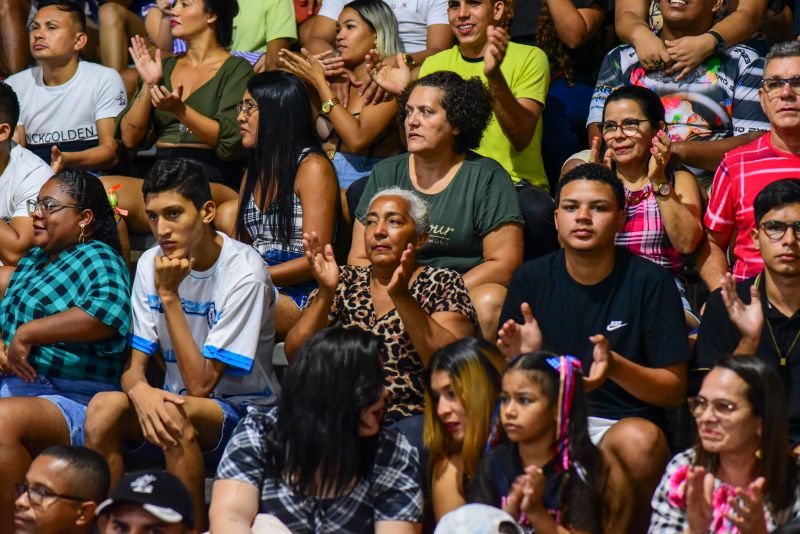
x=557 y=52
x=88 y=192
x=467 y=104
x=226 y=11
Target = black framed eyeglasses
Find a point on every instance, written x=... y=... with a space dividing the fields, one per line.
x=246 y=107
x=48 y=206
x=722 y=407
x=775 y=230
x=629 y=126
x=37 y=494
x=775 y=84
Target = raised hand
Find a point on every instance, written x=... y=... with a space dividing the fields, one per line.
x=699 y=499
x=748 y=318
x=594 y=154
x=401 y=277
x=305 y=65
x=391 y=78
x=602 y=358
x=748 y=508
x=149 y=68
x=495 y=51
x=659 y=156
x=514 y=338
x=170 y=272
x=56 y=160
x=332 y=65
x=322 y=262
x=166 y=100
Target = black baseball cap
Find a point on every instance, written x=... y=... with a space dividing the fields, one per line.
x=157 y=492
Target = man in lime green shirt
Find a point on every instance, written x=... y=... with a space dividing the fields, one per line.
x=517 y=75
x=264 y=26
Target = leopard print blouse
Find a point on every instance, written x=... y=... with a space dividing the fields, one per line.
x=436 y=289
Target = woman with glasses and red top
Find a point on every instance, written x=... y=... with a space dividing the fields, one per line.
x=741 y=476
x=662 y=202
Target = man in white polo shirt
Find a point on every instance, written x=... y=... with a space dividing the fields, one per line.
x=67 y=106
x=22 y=174
x=207 y=303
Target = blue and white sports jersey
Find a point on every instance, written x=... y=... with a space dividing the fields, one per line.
x=230 y=309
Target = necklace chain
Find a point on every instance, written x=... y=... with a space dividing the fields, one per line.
x=783 y=357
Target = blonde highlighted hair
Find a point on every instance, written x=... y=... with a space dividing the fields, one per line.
x=475 y=368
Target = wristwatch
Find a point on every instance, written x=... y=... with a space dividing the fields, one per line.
x=662 y=190
x=409 y=60
x=329 y=104
x=718 y=38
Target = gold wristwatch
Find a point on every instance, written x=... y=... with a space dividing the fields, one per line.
x=409 y=60
x=329 y=104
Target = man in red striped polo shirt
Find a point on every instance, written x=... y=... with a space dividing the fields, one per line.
x=748 y=169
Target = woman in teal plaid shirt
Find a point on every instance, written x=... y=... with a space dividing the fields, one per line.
x=64 y=321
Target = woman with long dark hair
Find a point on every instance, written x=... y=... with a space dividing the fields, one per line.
x=289 y=188
x=549 y=473
x=460 y=397
x=741 y=476
x=65 y=319
x=320 y=461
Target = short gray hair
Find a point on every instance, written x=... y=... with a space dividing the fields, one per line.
x=783 y=50
x=417 y=208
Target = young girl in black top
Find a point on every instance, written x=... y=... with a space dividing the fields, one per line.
x=549 y=475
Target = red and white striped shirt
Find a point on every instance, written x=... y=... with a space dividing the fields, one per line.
x=743 y=173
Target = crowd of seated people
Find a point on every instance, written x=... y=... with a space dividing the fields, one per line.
x=389 y=267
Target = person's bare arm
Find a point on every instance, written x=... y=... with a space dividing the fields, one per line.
x=269 y=61
x=631 y=25
x=502 y=254
x=707 y=155
x=15 y=239
x=664 y=387
x=575 y=26
x=712 y=260
x=156 y=24
x=358 y=254
x=318 y=190
x=101 y=157
x=397 y=527
x=234 y=505
x=439 y=38
x=680 y=212
x=322 y=35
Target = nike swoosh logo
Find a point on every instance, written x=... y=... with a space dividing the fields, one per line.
x=611 y=328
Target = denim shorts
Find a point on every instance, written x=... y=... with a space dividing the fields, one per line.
x=145 y=453
x=70 y=396
x=351 y=167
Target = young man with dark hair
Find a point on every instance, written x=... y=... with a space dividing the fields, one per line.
x=22 y=174
x=620 y=314
x=761 y=315
x=146 y=502
x=68 y=106
x=206 y=303
x=61 y=492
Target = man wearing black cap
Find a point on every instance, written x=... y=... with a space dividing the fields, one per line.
x=148 y=501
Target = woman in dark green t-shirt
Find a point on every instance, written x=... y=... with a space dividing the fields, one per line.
x=187 y=104
x=476 y=225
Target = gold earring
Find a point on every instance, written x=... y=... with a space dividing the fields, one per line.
x=81 y=237
x=759 y=454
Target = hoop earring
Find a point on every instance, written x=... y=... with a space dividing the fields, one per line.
x=82 y=237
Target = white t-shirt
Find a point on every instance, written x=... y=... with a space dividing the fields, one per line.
x=230 y=309
x=413 y=19
x=21 y=181
x=67 y=114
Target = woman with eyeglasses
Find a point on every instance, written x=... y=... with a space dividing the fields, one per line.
x=289 y=187
x=741 y=476
x=64 y=322
x=662 y=202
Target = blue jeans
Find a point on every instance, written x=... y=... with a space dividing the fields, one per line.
x=351 y=167
x=70 y=396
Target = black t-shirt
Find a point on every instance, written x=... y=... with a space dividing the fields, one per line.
x=718 y=336
x=499 y=469
x=637 y=308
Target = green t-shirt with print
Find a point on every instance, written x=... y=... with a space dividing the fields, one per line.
x=478 y=200
x=527 y=73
